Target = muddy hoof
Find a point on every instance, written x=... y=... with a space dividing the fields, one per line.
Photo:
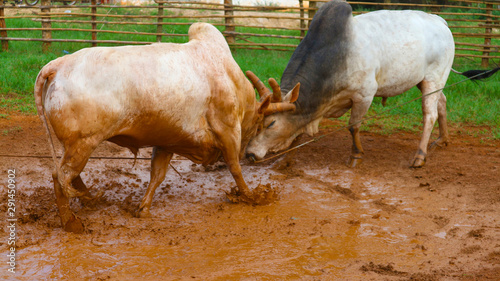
x=438 y=143
x=261 y=195
x=143 y=213
x=235 y=196
x=70 y=192
x=418 y=163
x=74 y=224
x=354 y=162
x=89 y=199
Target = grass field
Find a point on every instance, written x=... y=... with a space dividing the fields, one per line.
x=468 y=103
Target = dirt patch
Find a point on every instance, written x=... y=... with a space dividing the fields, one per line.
x=380 y=221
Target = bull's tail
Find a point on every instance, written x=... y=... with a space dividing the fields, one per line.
x=40 y=90
x=476 y=74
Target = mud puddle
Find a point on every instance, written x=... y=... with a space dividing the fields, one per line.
x=318 y=225
x=381 y=221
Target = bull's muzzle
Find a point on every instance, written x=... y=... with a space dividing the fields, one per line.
x=251 y=157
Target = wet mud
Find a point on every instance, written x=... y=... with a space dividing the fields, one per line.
x=320 y=220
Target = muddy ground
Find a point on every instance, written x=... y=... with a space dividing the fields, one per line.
x=380 y=221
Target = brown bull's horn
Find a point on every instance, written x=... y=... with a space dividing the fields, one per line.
x=276 y=90
x=279 y=107
x=261 y=88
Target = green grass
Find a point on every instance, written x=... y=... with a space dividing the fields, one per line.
x=468 y=103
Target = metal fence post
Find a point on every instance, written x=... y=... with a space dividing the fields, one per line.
x=229 y=21
x=46 y=25
x=487 y=36
x=3 y=33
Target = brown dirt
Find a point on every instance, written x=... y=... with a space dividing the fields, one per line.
x=380 y=221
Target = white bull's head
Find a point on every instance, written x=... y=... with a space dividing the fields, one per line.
x=278 y=130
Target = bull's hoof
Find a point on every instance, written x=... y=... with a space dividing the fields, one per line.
x=70 y=192
x=354 y=161
x=438 y=143
x=74 y=224
x=261 y=195
x=235 y=196
x=418 y=162
x=89 y=199
x=143 y=213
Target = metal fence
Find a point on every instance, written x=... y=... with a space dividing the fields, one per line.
x=475 y=24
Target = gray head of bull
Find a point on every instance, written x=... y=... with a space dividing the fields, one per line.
x=278 y=129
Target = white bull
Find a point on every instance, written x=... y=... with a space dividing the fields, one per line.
x=345 y=61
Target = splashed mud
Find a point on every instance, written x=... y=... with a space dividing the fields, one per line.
x=261 y=195
x=380 y=221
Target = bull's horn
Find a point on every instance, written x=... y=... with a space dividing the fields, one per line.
x=279 y=107
x=276 y=90
x=261 y=88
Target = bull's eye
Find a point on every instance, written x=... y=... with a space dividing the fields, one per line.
x=272 y=123
x=259 y=128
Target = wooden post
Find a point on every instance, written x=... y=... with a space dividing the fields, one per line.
x=159 y=27
x=228 y=12
x=387 y=7
x=487 y=40
x=47 y=25
x=94 y=19
x=302 y=22
x=310 y=14
x=3 y=33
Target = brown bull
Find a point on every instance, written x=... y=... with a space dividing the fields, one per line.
x=190 y=99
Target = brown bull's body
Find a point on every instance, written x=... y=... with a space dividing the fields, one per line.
x=189 y=99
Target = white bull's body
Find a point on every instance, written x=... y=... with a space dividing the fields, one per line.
x=378 y=54
x=190 y=99
x=395 y=50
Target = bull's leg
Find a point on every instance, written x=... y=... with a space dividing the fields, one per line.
x=79 y=185
x=67 y=182
x=159 y=165
x=430 y=114
x=358 y=111
x=69 y=221
x=231 y=156
x=86 y=196
x=231 y=144
x=357 y=151
x=443 y=125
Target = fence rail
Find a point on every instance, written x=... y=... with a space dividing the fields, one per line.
x=475 y=24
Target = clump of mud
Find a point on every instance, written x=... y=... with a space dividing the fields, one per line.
x=382 y=269
x=261 y=195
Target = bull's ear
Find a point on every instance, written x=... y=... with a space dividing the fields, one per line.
x=293 y=95
x=263 y=105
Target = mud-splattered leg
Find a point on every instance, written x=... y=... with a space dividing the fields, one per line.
x=430 y=114
x=86 y=196
x=357 y=152
x=231 y=144
x=240 y=193
x=159 y=166
x=358 y=111
x=68 y=183
x=444 y=137
x=69 y=221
